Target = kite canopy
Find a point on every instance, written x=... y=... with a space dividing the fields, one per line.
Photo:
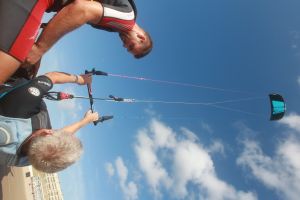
x=277 y=106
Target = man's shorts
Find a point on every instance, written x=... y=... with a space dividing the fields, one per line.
x=118 y=16
x=19 y=22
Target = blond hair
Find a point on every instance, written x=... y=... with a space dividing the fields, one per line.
x=55 y=152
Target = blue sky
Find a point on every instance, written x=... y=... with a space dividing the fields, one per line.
x=169 y=151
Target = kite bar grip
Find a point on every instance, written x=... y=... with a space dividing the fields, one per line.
x=101 y=73
x=103 y=118
x=96 y=72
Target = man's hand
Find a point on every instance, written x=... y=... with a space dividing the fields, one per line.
x=42 y=132
x=91 y=116
x=88 y=118
x=84 y=79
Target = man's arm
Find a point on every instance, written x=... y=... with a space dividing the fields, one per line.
x=88 y=118
x=62 y=77
x=66 y=20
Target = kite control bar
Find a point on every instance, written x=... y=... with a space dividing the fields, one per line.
x=58 y=96
x=89 y=88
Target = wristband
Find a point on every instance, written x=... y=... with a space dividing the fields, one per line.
x=76 y=78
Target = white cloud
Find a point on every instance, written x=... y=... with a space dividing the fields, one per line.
x=206 y=127
x=150 y=112
x=190 y=164
x=298 y=80
x=110 y=169
x=292 y=121
x=189 y=134
x=216 y=147
x=130 y=189
x=163 y=135
x=282 y=171
x=149 y=163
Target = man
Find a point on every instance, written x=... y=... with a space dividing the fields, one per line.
x=20 y=20
x=23 y=142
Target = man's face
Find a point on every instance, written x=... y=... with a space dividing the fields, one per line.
x=133 y=42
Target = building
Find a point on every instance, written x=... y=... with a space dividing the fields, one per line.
x=26 y=183
x=50 y=185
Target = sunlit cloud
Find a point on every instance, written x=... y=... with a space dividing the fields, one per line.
x=216 y=147
x=206 y=127
x=187 y=163
x=129 y=188
x=110 y=169
x=280 y=172
x=292 y=121
x=189 y=134
x=149 y=163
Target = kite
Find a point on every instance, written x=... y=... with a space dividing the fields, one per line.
x=278 y=106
